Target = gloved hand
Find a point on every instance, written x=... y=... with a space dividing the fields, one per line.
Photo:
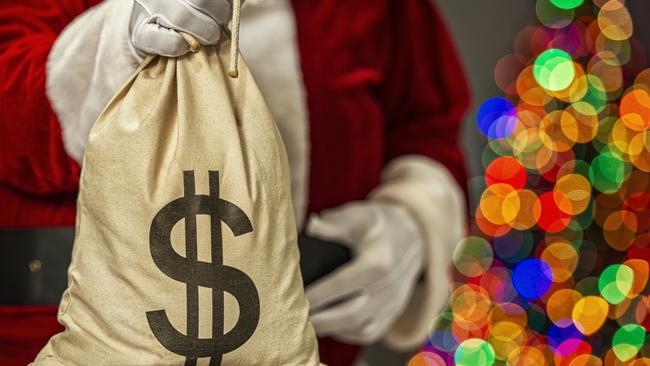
x=155 y=24
x=359 y=301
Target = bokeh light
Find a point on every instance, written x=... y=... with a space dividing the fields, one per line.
x=474 y=352
x=473 y=256
x=567 y=4
x=554 y=70
x=627 y=341
x=589 y=314
x=426 y=359
x=615 y=21
x=496 y=118
x=507 y=170
x=615 y=283
x=532 y=278
x=552 y=16
x=555 y=270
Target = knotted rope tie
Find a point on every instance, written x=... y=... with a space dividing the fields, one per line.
x=233 y=71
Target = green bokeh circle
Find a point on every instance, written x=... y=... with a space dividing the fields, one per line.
x=615 y=283
x=474 y=352
x=567 y=4
x=608 y=172
x=554 y=69
x=627 y=341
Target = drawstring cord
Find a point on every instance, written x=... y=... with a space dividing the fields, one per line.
x=194 y=44
x=233 y=72
x=234 y=40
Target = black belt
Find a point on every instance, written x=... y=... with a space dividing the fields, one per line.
x=34 y=265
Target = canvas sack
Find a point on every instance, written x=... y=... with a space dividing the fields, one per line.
x=185 y=250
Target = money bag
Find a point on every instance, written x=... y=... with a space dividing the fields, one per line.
x=185 y=250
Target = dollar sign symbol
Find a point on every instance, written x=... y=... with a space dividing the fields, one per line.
x=195 y=273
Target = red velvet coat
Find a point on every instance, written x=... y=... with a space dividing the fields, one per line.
x=381 y=76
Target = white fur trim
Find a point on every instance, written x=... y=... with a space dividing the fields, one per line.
x=88 y=63
x=427 y=189
x=269 y=45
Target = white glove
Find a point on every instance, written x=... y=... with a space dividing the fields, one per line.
x=359 y=301
x=155 y=24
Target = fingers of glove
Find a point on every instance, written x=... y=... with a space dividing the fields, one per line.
x=319 y=228
x=350 y=222
x=343 y=282
x=360 y=214
x=371 y=331
x=365 y=324
x=400 y=270
x=153 y=39
x=405 y=226
x=384 y=308
x=341 y=318
x=363 y=335
x=219 y=10
x=393 y=300
x=182 y=16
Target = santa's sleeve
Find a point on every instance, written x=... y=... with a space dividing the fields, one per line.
x=425 y=96
x=32 y=157
x=60 y=63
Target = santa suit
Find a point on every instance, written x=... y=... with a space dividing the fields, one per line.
x=357 y=88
